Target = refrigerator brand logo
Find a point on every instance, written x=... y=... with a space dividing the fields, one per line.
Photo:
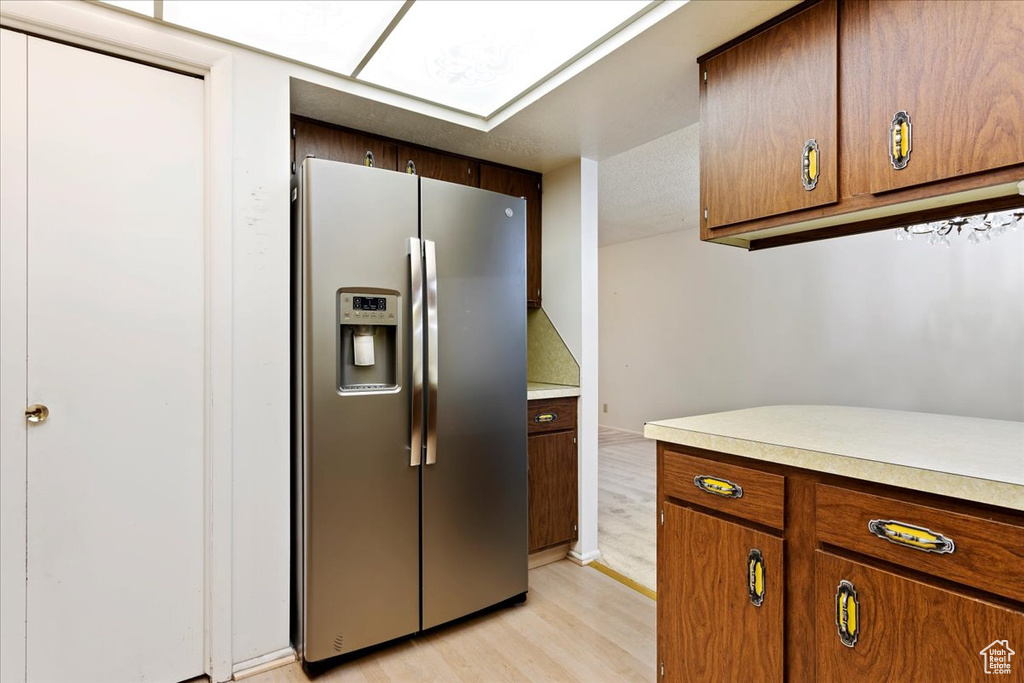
x=997 y=657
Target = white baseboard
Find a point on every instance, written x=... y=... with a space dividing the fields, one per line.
x=585 y=558
x=258 y=665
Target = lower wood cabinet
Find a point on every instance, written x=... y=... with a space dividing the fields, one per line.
x=719 y=595
x=553 y=479
x=855 y=581
x=876 y=625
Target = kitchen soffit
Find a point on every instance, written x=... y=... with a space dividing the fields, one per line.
x=476 y=58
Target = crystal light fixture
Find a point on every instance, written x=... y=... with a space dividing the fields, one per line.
x=980 y=228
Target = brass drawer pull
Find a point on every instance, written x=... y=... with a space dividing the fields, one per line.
x=755 y=577
x=544 y=418
x=899 y=140
x=717 y=486
x=911 y=536
x=811 y=165
x=847 y=613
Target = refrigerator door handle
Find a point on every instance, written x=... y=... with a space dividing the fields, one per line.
x=431 y=272
x=416 y=297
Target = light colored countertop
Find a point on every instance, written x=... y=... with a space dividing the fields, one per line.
x=962 y=457
x=542 y=390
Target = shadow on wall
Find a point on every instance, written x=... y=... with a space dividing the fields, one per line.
x=688 y=327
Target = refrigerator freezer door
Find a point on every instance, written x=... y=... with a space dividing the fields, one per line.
x=474 y=496
x=360 y=517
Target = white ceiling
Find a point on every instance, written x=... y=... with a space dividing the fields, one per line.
x=643 y=91
x=650 y=189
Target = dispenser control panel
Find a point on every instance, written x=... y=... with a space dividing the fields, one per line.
x=368 y=309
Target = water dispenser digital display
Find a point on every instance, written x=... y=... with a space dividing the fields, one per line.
x=369 y=303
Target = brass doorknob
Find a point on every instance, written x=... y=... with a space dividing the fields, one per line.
x=37 y=412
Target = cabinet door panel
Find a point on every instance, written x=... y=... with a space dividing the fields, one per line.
x=553 y=489
x=527 y=186
x=335 y=144
x=763 y=100
x=708 y=627
x=906 y=630
x=955 y=68
x=446 y=167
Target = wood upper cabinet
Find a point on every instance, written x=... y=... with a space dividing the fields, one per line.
x=326 y=141
x=528 y=186
x=840 y=71
x=553 y=489
x=711 y=625
x=765 y=101
x=957 y=69
x=447 y=167
x=897 y=628
x=337 y=144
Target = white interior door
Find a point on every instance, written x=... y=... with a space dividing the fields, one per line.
x=116 y=352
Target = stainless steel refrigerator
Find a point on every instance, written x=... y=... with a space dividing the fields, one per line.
x=409 y=346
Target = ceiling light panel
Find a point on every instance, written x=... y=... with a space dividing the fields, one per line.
x=478 y=56
x=329 y=35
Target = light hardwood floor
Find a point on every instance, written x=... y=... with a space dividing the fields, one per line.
x=626 y=496
x=576 y=625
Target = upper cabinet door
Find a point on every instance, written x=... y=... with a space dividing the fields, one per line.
x=768 y=133
x=438 y=166
x=337 y=144
x=955 y=69
x=526 y=185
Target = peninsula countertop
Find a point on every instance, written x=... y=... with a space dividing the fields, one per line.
x=968 y=458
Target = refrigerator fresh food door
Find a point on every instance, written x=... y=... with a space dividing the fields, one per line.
x=474 y=497
x=359 y=570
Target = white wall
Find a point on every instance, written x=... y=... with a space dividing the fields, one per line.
x=689 y=328
x=569 y=277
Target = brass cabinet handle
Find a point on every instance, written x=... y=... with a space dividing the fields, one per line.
x=37 y=413
x=717 y=486
x=911 y=536
x=544 y=418
x=811 y=165
x=368 y=159
x=755 y=577
x=899 y=140
x=847 y=613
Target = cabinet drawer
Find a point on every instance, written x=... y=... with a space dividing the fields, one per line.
x=751 y=494
x=551 y=414
x=968 y=549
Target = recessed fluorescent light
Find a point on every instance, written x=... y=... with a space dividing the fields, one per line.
x=328 y=35
x=478 y=56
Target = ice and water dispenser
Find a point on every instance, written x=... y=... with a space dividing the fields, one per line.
x=368 y=322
